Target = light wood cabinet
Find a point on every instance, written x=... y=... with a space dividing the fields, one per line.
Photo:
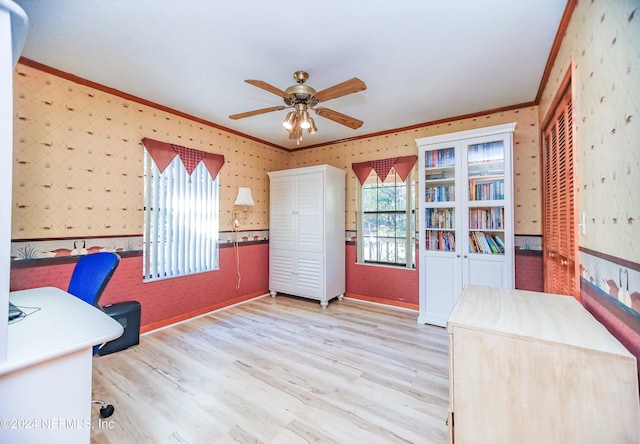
x=529 y=367
x=306 y=232
x=466 y=216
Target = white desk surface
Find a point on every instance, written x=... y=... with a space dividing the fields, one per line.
x=63 y=324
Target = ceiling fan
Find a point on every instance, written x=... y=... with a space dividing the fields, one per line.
x=302 y=98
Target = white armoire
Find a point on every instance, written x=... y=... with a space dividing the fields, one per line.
x=306 y=233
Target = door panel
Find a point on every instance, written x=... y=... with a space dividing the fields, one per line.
x=483 y=271
x=443 y=283
x=309 y=233
x=561 y=267
x=281 y=267
x=310 y=275
x=281 y=213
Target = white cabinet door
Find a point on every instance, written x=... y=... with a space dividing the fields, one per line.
x=281 y=213
x=442 y=285
x=296 y=212
x=296 y=272
x=281 y=271
x=487 y=271
x=309 y=274
x=309 y=212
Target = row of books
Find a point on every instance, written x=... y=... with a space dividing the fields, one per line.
x=486 y=243
x=439 y=158
x=440 y=194
x=441 y=240
x=439 y=217
x=485 y=152
x=486 y=218
x=486 y=189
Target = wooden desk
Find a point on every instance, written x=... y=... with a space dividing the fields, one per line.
x=45 y=383
x=530 y=367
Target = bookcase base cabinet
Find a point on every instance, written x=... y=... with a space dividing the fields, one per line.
x=528 y=367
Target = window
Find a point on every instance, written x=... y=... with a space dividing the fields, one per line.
x=180 y=211
x=386 y=220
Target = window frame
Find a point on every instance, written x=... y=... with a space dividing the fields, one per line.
x=409 y=212
x=183 y=261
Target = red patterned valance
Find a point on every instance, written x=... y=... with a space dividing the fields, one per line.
x=163 y=153
x=402 y=165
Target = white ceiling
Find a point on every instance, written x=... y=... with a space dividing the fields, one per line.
x=422 y=60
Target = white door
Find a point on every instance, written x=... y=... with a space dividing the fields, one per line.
x=281 y=271
x=281 y=213
x=309 y=212
x=309 y=274
x=488 y=271
x=443 y=283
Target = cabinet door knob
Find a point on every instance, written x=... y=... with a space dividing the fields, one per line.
x=465 y=256
x=458 y=255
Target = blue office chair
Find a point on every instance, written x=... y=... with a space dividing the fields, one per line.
x=91 y=276
x=88 y=281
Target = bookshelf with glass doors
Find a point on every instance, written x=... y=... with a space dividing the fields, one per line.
x=465 y=215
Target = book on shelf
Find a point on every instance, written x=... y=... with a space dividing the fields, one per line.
x=439 y=158
x=486 y=152
x=439 y=218
x=480 y=242
x=440 y=194
x=486 y=189
x=486 y=218
x=492 y=244
x=440 y=240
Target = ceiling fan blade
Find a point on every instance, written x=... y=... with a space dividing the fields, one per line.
x=268 y=87
x=341 y=89
x=256 y=112
x=340 y=118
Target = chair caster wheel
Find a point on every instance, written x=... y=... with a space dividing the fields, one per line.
x=106 y=411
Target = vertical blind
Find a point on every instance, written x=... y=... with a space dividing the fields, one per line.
x=180 y=220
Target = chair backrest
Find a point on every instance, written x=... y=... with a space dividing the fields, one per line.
x=91 y=275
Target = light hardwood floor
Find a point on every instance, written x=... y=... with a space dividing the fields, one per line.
x=280 y=370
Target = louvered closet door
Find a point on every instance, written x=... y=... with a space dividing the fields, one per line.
x=560 y=219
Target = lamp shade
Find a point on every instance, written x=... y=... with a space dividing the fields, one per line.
x=290 y=121
x=244 y=197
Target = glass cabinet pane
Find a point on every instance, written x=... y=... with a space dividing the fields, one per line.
x=439 y=188
x=485 y=170
x=440 y=229
x=439 y=174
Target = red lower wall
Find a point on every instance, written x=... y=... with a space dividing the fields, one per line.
x=393 y=286
x=171 y=300
x=529 y=270
x=622 y=323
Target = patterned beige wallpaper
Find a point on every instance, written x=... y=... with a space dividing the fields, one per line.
x=526 y=159
x=603 y=39
x=78 y=160
x=77 y=168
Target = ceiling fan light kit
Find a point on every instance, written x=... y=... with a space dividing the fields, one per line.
x=290 y=121
x=302 y=98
